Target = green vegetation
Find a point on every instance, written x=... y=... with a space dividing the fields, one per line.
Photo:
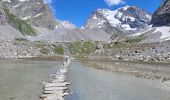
x=128 y=42
x=46 y=48
x=135 y=39
x=59 y=50
x=43 y=48
x=82 y=48
x=21 y=40
x=19 y=24
x=115 y=45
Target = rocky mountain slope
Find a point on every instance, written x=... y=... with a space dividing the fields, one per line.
x=160 y=30
x=162 y=15
x=7 y=32
x=74 y=35
x=23 y=18
x=35 y=12
x=128 y=18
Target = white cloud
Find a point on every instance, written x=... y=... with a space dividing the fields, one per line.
x=114 y=2
x=47 y=1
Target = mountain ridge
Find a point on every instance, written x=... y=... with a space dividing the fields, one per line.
x=161 y=16
x=33 y=19
x=127 y=18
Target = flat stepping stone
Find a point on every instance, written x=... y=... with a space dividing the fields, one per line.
x=56 y=84
x=57 y=81
x=53 y=92
x=55 y=88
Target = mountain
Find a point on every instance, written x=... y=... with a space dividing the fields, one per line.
x=162 y=15
x=128 y=18
x=160 y=21
x=34 y=12
x=23 y=18
x=7 y=32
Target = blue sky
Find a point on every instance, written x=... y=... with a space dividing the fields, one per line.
x=77 y=11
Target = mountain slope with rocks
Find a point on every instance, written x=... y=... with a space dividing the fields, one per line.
x=7 y=32
x=162 y=15
x=34 y=12
x=160 y=21
x=74 y=35
x=28 y=18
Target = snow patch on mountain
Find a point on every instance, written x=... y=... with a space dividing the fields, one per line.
x=65 y=25
x=109 y=15
x=7 y=0
x=165 y=31
x=127 y=27
x=147 y=29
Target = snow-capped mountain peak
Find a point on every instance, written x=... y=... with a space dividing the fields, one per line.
x=128 y=18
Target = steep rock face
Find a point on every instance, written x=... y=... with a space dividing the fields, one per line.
x=6 y=31
x=162 y=15
x=2 y=14
x=35 y=12
x=128 y=18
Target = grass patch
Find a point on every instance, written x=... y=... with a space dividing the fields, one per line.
x=82 y=48
x=46 y=48
x=21 y=40
x=59 y=50
x=43 y=48
x=135 y=39
x=115 y=45
x=19 y=24
x=128 y=42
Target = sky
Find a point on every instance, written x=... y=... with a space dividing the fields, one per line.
x=78 y=11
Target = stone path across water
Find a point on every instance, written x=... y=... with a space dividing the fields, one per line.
x=55 y=89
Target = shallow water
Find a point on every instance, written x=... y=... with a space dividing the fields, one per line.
x=21 y=79
x=89 y=83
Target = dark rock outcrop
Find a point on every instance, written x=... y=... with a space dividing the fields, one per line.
x=161 y=17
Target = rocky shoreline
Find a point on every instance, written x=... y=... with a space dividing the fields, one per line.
x=8 y=49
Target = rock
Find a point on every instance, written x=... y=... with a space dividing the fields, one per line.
x=161 y=17
x=50 y=85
